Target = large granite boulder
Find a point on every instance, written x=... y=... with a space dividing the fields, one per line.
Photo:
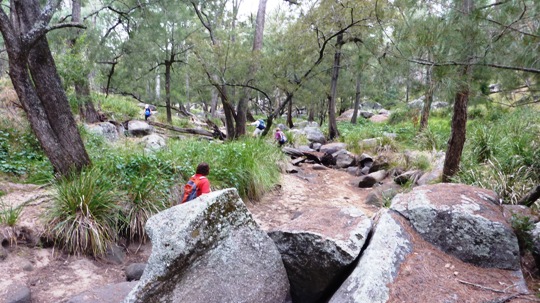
x=464 y=221
x=379 y=265
x=401 y=264
x=314 y=134
x=318 y=247
x=105 y=129
x=211 y=250
x=138 y=128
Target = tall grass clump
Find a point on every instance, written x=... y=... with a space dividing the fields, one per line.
x=83 y=218
x=505 y=156
x=251 y=165
x=145 y=181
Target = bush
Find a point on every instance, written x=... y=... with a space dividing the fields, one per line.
x=84 y=214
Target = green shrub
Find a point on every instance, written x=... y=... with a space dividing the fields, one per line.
x=9 y=215
x=84 y=214
x=120 y=108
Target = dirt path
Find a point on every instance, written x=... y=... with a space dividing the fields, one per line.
x=306 y=189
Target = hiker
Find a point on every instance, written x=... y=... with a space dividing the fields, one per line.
x=280 y=137
x=259 y=127
x=198 y=184
x=147 y=112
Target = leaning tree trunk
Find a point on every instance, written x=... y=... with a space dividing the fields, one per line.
x=333 y=131
x=41 y=95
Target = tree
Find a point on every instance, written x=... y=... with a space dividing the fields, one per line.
x=38 y=86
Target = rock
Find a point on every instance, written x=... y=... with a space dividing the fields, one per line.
x=463 y=221
x=379 y=163
x=318 y=247
x=314 y=134
x=283 y=127
x=105 y=129
x=535 y=243
x=520 y=211
x=379 y=265
x=371 y=105
x=365 y=160
x=210 y=250
x=371 y=179
x=332 y=147
x=27 y=266
x=139 y=128
x=410 y=176
x=344 y=159
x=291 y=169
x=153 y=142
x=134 y=271
x=365 y=114
x=439 y=104
x=432 y=177
x=379 y=118
x=304 y=124
x=112 y=293
x=354 y=170
x=382 y=194
x=316 y=146
x=17 y=293
x=305 y=148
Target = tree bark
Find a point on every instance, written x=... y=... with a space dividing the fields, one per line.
x=530 y=197
x=459 y=118
x=428 y=99
x=333 y=131
x=41 y=95
x=356 y=98
x=459 y=130
x=82 y=87
x=290 y=123
x=168 y=89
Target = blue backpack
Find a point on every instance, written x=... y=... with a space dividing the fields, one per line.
x=147 y=112
x=190 y=189
x=261 y=124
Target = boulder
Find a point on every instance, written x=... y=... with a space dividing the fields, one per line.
x=401 y=265
x=371 y=105
x=139 y=128
x=134 y=271
x=153 y=142
x=105 y=129
x=318 y=247
x=17 y=293
x=409 y=176
x=463 y=221
x=332 y=147
x=344 y=158
x=379 y=264
x=112 y=293
x=210 y=250
x=366 y=114
x=383 y=194
x=379 y=118
x=371 y=179
x=314 y=134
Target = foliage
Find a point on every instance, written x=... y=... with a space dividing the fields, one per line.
x=522 y=226
x=9 y=215
x=82 y=218
x=115 y=105
x=251 y=165
x=21 y=156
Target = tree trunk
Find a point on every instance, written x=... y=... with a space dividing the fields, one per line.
x=42 y=95
x=458 y=135
x=168 y=90
x=333 y=131
x=82 y=87
x=459 y=118
x=290 y=123
x=241 y=109
x=428 y=99
x=213 y=106
x=356 y=98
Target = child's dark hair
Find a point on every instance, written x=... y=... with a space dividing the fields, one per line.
x=203 y=169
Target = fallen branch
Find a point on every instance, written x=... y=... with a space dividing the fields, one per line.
x=194 y=131
x=482 y=287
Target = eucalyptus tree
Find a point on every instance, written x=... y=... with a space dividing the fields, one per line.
x=34 y=76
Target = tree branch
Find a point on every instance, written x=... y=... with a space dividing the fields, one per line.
x=494 y=65
x=40 y=26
